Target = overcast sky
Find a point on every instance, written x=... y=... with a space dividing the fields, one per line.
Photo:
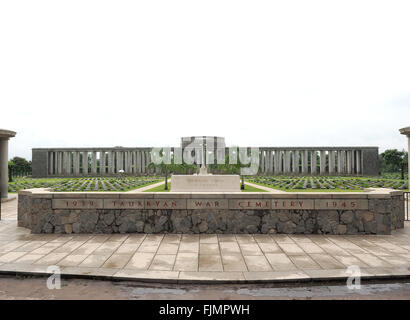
x=260 y=73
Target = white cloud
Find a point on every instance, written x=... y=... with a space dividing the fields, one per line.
x=262 y=73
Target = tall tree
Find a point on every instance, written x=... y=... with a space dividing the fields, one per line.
x=395 y=161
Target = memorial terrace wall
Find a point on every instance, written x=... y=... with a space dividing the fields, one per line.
x=81 y=162
x=43 y=211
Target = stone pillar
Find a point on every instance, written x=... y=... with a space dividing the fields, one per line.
x=296 y=157
x=110 y=162
x=323 y=162
x=304 y=162
x=287 y=161
x=51 y=163
x=85 y=163
x=276 y=162
x=64 y=162
x=280 y=162
x=69 y=162
x=406 y=131
x=332 y=162
x=339 y=162
x=76 y=163
x=118 y=161
x=58 y=163
x=263 y=161
x=94 y=163
x=112 y=167
x=270 y=156
x=313 y=162
x=134 y=162
x=129 y=162
x=103 y=162
x=4 y=168
x=349 y=163
x=143 y=162
x=126 y=161
x=139 y=162
x=358 y=162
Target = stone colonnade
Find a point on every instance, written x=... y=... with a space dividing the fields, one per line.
x=5 y=135
x=406 y=131
x=94 y=162
x=273 y=161
x=311 y=161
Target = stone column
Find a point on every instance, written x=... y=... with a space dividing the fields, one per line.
x=58 y=163
x=332 y=162
x=304 y=162
x=263 y=161
x=339 y=162
x=281 y=164
x=118 y=161
x=138 y=162
x=129 y=162
x=323 y=162
x=110 y=162
x=51 y=163
x=76 y=163
x=85 y=163
x=64 y=163
x=102 y=163
x=296 y=157
x=4 y=168
x=358 y=162
x=276 y=162
x=94 y=163
x=134 y=162
x=287 y=161
x=349 y=161
x=406 y=131
x=69 y=162
x=143 y=162
x=270 y=155
x=126 y=161
x=313 y=162
x=5 y=135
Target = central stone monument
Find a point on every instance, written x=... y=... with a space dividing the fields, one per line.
x=204 y=181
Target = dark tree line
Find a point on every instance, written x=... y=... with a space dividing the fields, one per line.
x=393 y=160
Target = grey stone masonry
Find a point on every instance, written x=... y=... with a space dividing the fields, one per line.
x=278 y=161
x=294 y=213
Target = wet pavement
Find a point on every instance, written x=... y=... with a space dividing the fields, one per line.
x=12 y=288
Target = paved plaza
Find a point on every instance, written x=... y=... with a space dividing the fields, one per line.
x=202 y=258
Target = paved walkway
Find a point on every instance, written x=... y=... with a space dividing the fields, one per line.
x=264 y=188
x=202 y=258
x=149 y=187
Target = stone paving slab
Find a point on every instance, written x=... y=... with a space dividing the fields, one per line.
x=204 y=258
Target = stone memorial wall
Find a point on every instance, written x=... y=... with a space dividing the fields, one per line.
x=112 y=212
x=80 y=162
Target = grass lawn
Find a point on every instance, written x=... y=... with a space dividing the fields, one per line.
x=90 y=184
x=252 y=189
x=327 y=183
x=160 y=188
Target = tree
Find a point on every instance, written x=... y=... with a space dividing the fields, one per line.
x=21 y=164
x=395 y=161
x=167 y=169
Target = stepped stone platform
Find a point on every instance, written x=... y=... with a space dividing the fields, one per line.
x=202 y=258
